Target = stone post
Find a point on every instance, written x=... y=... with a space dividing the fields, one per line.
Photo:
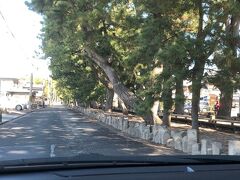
x=203 y=147
x=196 y=149
x=192 y=139
x=216 y=148
x=233 y=147
x=185 y=144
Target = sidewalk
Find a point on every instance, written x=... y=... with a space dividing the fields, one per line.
x=12 y=114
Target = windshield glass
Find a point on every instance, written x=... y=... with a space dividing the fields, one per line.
x=119 y=78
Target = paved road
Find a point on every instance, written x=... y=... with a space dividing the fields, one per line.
x=58 y=132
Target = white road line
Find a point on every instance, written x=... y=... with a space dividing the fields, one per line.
x=52 y=148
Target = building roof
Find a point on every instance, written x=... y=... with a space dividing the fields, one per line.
x=8 y=78
x=17 y=91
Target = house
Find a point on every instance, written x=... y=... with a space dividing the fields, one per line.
x=8 y=84
x=14 y=92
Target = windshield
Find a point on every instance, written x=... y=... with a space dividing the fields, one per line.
x=119 y=78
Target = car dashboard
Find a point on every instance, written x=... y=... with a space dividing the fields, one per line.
x=218 y=171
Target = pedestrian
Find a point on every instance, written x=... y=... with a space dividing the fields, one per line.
x=216 y=107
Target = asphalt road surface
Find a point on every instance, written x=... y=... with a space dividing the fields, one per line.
x=59 y=132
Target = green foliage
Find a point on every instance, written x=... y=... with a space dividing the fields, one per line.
x=151 y=45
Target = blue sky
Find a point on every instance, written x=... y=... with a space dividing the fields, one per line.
x=18 y=54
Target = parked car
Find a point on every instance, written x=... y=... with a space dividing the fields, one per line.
x=17 y=105
x=21 y=106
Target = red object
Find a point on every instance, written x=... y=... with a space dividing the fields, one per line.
x=217 y=106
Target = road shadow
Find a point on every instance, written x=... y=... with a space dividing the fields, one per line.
x=70 y=133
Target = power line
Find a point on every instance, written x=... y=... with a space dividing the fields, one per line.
x=6 y=24
x=24 y=53
x=13 y=36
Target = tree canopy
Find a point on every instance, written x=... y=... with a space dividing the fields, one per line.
x=142 y=51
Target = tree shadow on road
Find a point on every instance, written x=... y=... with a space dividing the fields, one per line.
x=70 y=134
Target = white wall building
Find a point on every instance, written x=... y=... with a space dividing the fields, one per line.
x=14 y=91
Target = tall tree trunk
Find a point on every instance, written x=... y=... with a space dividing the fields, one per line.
x=122 y=91
x=154 y=110
x=109 y=100
x=167 y=95
x=196 y=89
x=108 y=85
x=226 y=103
x=167 y=106
x=232 y=31
x=179 y=96
x=166 y=118
x=199 y=60
x=116 y=101
x=123 y=107
x=126 y=98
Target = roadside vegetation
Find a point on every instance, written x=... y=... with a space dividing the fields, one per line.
x=142 y=51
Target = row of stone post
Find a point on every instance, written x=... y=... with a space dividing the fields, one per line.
x=185 y=141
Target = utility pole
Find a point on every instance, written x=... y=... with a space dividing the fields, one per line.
x=30 y=91
x=239 y=106
x=50 y=91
